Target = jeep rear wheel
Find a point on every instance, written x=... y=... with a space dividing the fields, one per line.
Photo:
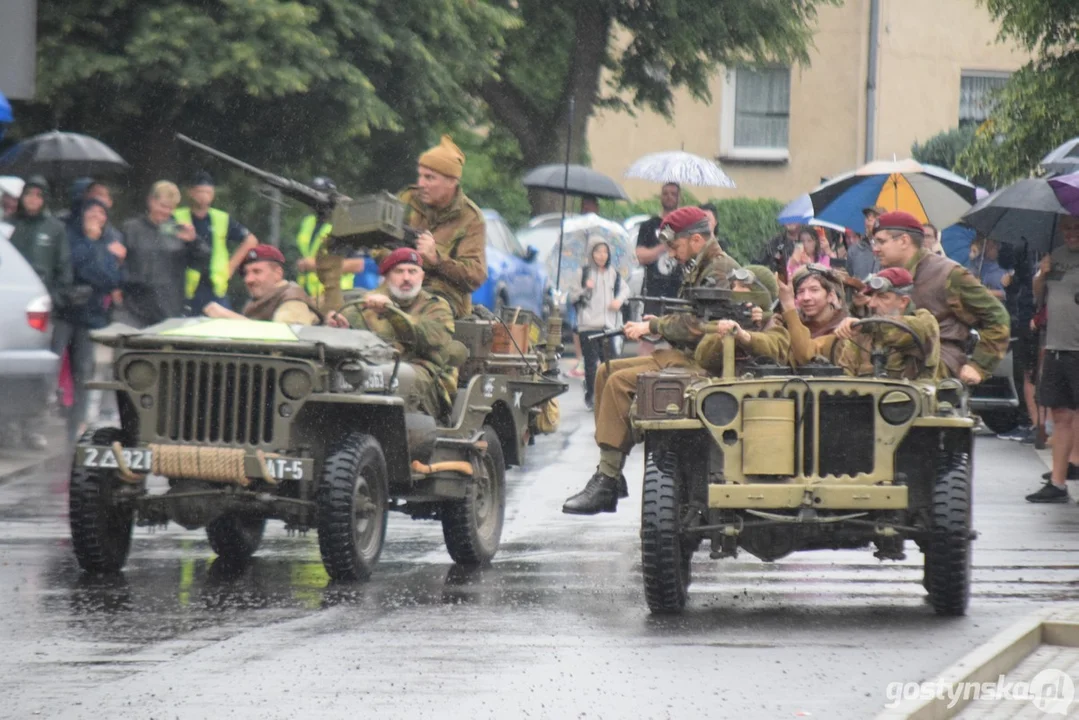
x=947 y=550
x=352 y=508
x=665 y=560
x=472 y=526
x=100 y=525
x=235 y=537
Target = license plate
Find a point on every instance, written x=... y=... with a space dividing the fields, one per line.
x=141 y=460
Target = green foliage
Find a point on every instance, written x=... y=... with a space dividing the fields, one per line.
x=1039 y=106
x=492 y=175
x=943 y=148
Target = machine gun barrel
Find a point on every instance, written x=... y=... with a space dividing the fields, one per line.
x=290 y=188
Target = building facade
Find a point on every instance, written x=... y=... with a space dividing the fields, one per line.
x=778 y=131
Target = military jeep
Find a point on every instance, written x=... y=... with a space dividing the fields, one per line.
x=771 y=462
x=250 y=421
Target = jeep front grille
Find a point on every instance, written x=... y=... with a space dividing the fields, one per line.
x=847 y=441
x=216 y=401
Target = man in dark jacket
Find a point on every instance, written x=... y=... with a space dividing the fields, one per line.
x=96 y=261
x=41 y=239
x=159 y=252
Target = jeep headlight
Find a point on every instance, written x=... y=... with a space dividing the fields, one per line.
x=897 y=407
x=720 y=408
x=296 y=384
x=140 y=375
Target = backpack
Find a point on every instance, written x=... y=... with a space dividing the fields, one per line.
x=585 y=272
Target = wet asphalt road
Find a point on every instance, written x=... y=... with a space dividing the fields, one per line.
x=556 y=628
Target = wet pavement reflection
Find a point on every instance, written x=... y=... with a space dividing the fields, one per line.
x=556 y=627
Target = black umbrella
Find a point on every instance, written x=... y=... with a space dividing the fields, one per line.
x=61 y=156
x=1023 y=213
x=1062 y=159
x=582 y=181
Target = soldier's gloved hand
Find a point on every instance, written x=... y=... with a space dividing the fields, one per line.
x=756 y=314
x=337 y=320
x=426 y=247
x=970 y=375
x=730 y=327
x=846 y=330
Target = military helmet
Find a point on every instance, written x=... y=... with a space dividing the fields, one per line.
x=324 y=184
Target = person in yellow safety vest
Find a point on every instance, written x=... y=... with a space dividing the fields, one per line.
x=219 y=233
x=313 y=232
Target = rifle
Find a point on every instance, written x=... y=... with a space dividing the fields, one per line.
x=366 y=222
x=707 y=303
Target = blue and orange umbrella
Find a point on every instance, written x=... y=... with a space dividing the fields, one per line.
x=929 y=193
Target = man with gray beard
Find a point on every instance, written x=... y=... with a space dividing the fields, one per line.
x=417 y=323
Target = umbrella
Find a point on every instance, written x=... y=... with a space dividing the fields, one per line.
x=61 y=156
x=1025 y=212
x=577 y=231
x=800 y=211
x=1062 y=159
x=581 y=181
x=5 y=110
x=931 y=194
x=1066 y=188
x=679 y=167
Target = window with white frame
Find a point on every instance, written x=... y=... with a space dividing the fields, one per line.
x=756 y=113
x=976 y=94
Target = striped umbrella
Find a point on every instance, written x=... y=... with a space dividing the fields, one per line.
x=929 y=193
x=679 y=167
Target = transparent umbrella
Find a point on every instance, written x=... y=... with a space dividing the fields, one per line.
x=679 y=167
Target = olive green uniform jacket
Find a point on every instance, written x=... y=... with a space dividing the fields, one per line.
x=773 y=342
x=975 y=307
x=709 y=269
x=460 y=234
x=906 y=361
x=422 y=332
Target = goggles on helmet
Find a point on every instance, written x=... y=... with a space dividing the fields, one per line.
x=879 y=284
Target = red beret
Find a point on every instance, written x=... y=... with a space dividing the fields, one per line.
x=899 y=278
x=264 y=252
x=683 y=219
x=899 y=221
x=399 y=256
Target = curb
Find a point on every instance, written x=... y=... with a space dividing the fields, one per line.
x=1056 y=626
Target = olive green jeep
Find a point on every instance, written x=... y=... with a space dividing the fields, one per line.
x=772 y=462
x=250 y=421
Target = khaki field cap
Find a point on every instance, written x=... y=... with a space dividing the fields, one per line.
x=445 y=158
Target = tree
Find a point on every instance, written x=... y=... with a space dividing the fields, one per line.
x=561 y=48
x=944 y=150
x=349 y=88
x=1039 y=106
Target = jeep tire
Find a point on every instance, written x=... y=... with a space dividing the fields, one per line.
x=100 y=527
x=947 y=550
x=472 y=526
x=235 y=537
x=352 y=507
x=664 y=561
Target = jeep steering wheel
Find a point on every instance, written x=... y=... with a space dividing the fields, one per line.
x=359 y=304
x=884 y=321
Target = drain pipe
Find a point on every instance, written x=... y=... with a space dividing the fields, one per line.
x=871 y=82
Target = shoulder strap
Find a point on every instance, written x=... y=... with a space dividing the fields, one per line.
x=585 y=270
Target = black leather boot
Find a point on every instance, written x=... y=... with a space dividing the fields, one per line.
x=599 y=495
x=623 y=486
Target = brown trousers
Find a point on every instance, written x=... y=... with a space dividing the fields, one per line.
x=614 y=394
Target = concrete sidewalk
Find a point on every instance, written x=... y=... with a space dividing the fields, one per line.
x=17 y=462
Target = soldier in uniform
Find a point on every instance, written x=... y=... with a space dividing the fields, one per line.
x=453 y=239
x=302 y=255
x=813 y=308
x=889 y=294
x=766 y=337
x=272 y=296
x=688 y=235
x=951 y=293
x=418 y=323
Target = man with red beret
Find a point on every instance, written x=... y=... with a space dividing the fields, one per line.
x=272 y=296
x=889 y=293
x=416 y=322
x=689 y=238
x=951 y=293
x=453 y=233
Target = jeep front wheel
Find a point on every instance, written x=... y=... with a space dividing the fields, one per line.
x=664 y=561
x=947 y=550
x=472 y=526
x=100 y=525
x=352 y=508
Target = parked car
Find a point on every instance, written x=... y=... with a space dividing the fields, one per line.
x=28 y=368
x=516 y=277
